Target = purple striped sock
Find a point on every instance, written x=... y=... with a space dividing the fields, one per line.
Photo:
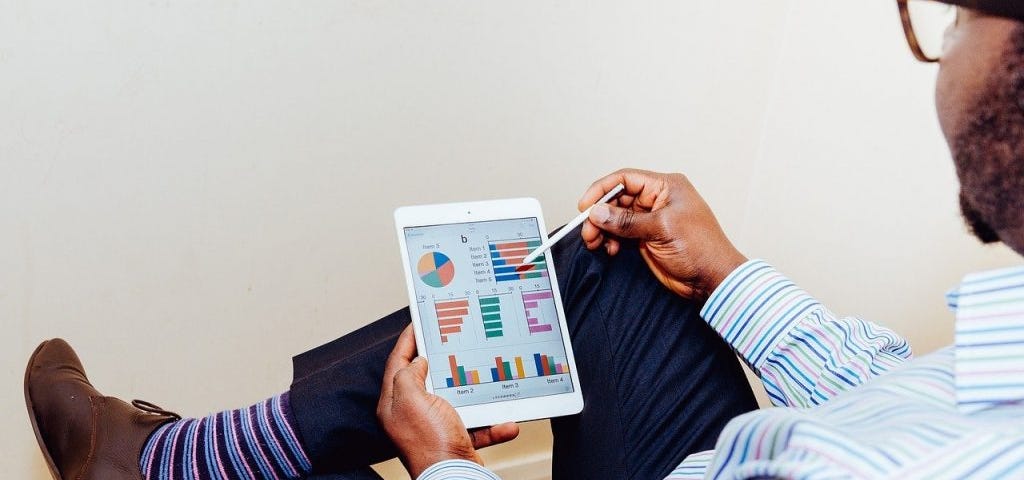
x=254 y=442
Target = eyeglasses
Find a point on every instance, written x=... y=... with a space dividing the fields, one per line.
x=925 y=23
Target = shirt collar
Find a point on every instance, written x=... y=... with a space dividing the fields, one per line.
x=989 y=309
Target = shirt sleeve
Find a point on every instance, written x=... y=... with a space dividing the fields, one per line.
x=803 y=353
x=694 y=467
x=457 y=470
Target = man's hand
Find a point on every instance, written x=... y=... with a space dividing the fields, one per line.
x=680 y=239
x=425 y=428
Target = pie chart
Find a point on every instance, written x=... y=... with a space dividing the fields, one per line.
x=436 y=269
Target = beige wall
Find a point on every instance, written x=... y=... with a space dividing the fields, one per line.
x=192 y=191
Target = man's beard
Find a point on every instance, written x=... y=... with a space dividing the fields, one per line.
x=989 y=152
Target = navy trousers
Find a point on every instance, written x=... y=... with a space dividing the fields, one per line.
x=658 y=383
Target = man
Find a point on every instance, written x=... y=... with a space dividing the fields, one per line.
x=860 y=407
x=325 y=424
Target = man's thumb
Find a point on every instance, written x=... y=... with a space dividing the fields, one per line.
x=412 y=378
x=419 y=367
x=624 y=223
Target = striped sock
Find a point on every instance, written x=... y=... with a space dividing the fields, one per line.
x=254 y=442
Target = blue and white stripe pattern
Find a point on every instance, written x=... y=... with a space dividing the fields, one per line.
x=859 y=406
x=458 y=470
x=989 y=339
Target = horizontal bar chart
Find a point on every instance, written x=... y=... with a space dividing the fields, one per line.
x=507 y=260
x=490 y=313
x=532 y=304
x=451 y=315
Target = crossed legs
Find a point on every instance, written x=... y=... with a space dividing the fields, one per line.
x=658 y=383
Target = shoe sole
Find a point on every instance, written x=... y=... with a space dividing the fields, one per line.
x=32 y=414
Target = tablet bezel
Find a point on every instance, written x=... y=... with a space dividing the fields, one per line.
x=492 y=413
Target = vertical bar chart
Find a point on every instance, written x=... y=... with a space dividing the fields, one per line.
x=538 y=305
x=507 y=259
x=451 y=314
x=507 y=370
x=546 y=365
x=460 y=376
x=490 y=312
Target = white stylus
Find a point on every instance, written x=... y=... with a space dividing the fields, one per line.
x=569 y=227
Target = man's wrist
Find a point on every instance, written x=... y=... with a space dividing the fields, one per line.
x=722 y=268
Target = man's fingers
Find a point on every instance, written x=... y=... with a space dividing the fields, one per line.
x=485 y=437
x=642 y=188
x=626 y=223
x=401 y=355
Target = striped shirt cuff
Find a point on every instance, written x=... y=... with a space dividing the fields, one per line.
x=457 y=470
x=754 y=308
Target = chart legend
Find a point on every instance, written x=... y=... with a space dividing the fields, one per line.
x=451 y=314
x=507 y=258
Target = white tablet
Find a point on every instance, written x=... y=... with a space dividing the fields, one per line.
x=492 y=328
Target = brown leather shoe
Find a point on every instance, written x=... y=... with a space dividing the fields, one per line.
x=83 y=434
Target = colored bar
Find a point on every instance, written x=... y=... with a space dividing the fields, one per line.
x=451 y=329
x=462 y=375
x=490 y=308
x=540 y=328
x=529 y=275
x=462 y=312
x=449 y=382
x=519 y=367
x=455 y=369
x=494 y=374
x=508 y=261
x=451 y=304
x=501 y=368
x=537 y=362
x=506 y=277
x=508 y=245
x=493 y=333
x=490 y=317
x=558 y=368
x=532 y=321
x=476 y=377
x=541 y=295
x=551 y=365
x=530 y=304
x=449 y=322
x=489 y=300
x=508 y=370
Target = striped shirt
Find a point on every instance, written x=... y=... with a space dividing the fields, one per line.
x=852 y=403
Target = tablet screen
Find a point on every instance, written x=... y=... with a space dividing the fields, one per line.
x=489 y=321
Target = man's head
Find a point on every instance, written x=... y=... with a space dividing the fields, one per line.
x=980 y=101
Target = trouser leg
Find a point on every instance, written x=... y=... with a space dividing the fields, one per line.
x=658 y=383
